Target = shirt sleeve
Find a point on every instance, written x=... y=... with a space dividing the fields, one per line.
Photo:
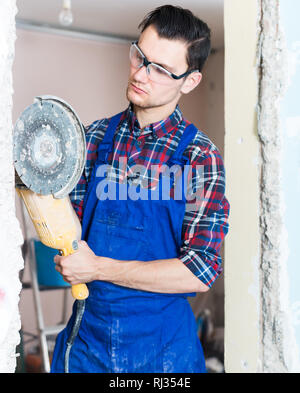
x=77 y=196
x=94 y=134
x=205 y=221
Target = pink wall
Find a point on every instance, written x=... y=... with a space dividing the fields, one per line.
x=91 y=76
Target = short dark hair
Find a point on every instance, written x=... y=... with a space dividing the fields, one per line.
x=178 y=23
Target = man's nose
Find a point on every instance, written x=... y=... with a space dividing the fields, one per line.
x=141 y=75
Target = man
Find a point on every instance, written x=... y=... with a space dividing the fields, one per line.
x=141 y=257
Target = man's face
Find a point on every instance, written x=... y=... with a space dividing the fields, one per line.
x=171 y=54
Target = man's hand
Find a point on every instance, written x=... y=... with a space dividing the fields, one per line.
x=166 y=275
x=80 y=267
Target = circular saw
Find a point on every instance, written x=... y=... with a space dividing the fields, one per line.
x=49 y=147
x=49 y=152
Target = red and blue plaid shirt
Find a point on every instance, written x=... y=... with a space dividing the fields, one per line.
x=203 y=229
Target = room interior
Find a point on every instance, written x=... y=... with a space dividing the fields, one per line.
x=86 y=64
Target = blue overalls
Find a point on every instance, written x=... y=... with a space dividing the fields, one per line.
x=125 y=330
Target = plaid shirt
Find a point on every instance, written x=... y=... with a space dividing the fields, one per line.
x=204 y=229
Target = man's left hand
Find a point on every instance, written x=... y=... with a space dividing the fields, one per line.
x=79 y=267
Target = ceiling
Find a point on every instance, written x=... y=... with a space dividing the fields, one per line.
x=118 y=17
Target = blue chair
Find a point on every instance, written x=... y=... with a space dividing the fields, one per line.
x=46 y=274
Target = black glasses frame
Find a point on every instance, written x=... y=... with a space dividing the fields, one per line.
x=146 y=62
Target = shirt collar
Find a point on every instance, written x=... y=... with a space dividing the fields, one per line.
x=157 y=129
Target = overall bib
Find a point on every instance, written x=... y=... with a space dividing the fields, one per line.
x=125 y=330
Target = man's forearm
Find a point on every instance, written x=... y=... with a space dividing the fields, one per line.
x=166 y=275
x=163 y=275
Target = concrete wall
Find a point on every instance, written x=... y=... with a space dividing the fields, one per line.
x=280 y=352
x=262 y=158
x=10 y=233
x=290 y=131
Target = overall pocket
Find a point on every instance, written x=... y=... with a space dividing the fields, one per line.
x=119 y=235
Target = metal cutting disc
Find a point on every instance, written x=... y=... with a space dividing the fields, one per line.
x=49 y=147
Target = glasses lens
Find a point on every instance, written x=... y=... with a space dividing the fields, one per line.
x=154 y=71
x=159 y=74
x=136 y=58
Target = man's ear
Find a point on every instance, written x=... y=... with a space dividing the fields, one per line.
x=191 y=82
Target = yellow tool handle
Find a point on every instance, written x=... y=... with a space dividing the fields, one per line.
x=79 y=291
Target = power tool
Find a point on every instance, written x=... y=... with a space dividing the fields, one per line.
x=49 y=152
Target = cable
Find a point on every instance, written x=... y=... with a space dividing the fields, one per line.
x=74 y=332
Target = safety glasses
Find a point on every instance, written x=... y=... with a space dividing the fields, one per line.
x=155 y=72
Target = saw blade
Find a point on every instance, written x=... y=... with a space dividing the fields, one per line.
x=49 y=147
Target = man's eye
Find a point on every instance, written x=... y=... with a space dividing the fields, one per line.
x=139 y=57
x=160 y=71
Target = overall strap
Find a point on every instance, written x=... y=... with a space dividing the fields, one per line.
x=106 y=145
x=187 y=136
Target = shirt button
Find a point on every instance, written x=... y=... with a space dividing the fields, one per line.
x=139 y=143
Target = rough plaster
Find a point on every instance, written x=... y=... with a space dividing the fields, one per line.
x=259 y=331
x=279 y=352
x=10 y=233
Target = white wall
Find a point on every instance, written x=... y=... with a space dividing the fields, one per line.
x=242 y=250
